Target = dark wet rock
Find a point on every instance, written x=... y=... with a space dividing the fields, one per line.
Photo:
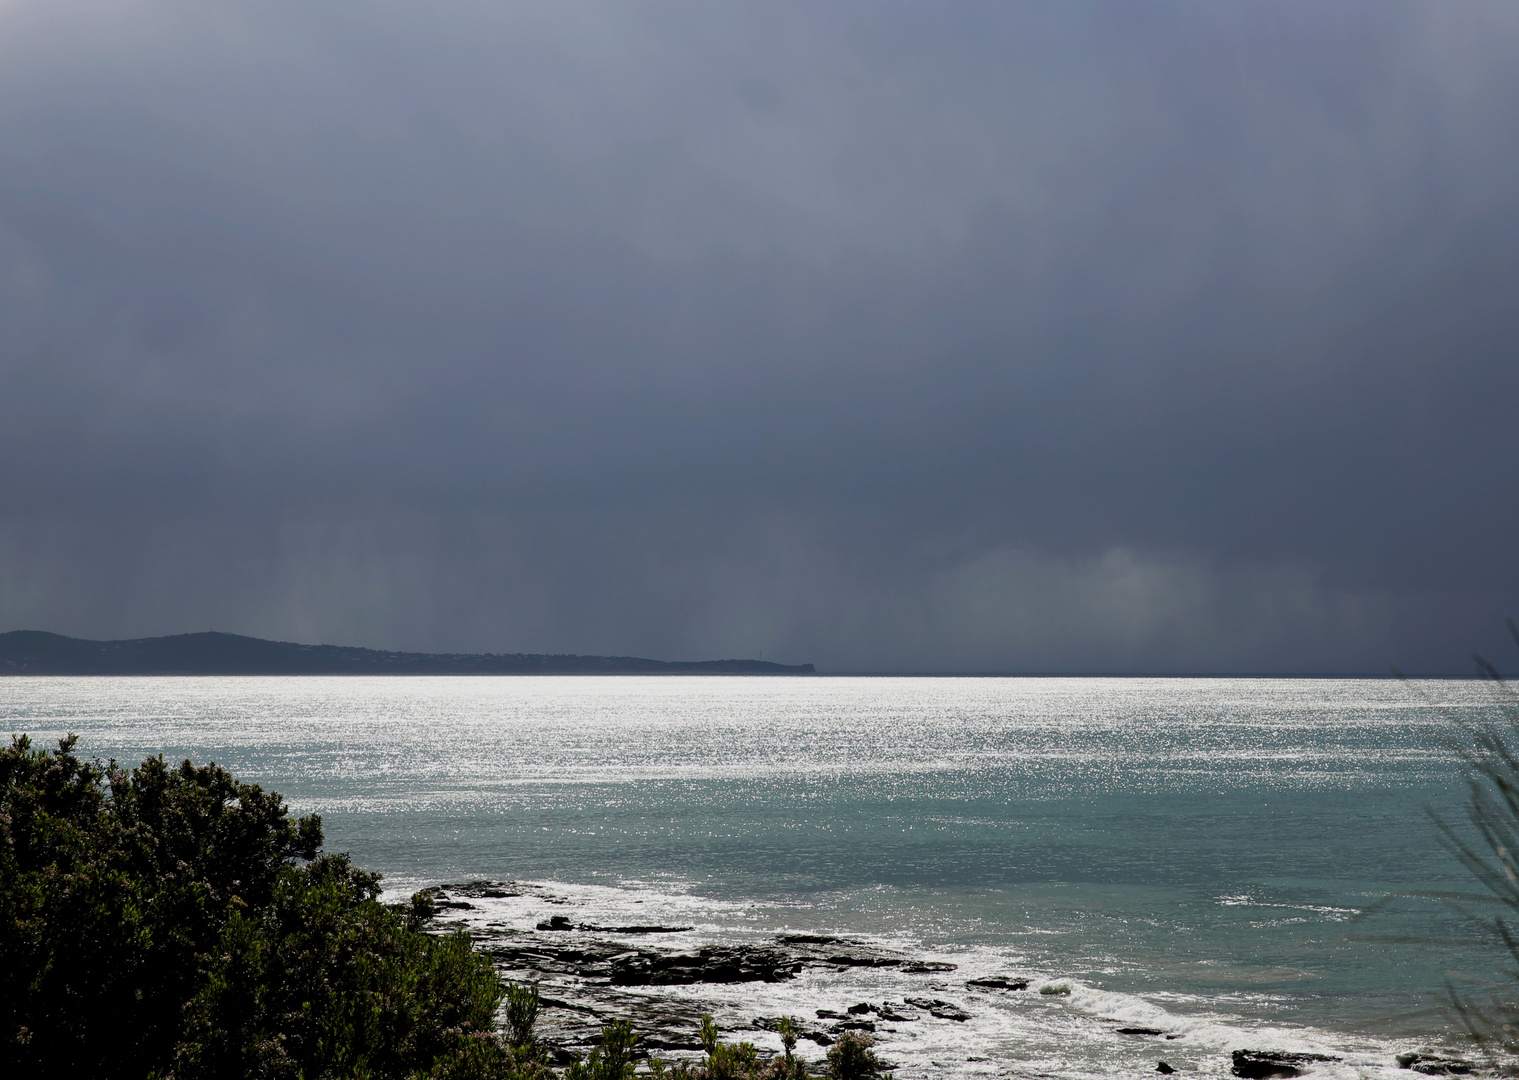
x=562 y=922
x=944 y=1010
x=670 y=1039
x=997 y=982
x=576 y=1025
x=713 y=964
x=829 y=1014
x=486 y=890
x=862 y=959
x=455 y=905
x=1140 y=1031
x=590 y=975
x=1261 y=1064
x=533 y=958
x=1435 y=1065
x=599 y=959
x=818 y=950
x=555 y=1003
x=854 y=1025
x=1162 y=1067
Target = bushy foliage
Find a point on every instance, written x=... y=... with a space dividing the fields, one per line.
x=521 y=1016
x=851 y=1058
x=174 y=922
x=614 y=1059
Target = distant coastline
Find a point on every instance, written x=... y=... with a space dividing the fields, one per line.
x=38 y=652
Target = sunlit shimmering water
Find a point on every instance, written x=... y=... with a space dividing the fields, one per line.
x=1185 y=849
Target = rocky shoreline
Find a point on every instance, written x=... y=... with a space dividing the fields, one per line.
x=590 y=975
x=661 y=978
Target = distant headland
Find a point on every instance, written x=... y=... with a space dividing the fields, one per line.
x=37 y=652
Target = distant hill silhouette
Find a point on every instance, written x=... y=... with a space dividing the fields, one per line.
x=37 y=652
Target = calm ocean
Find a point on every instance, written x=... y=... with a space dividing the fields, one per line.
x=1184 y=854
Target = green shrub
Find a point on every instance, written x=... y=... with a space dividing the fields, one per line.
x=851 y=1058
x=172 y=923
x=612 y=1060
x=791 y=1066
x=735 y=1061
x=175 y=922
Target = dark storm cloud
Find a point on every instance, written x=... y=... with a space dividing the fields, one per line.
x=1102 y=336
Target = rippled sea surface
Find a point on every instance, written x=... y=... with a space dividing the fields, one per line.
x=1187 y=854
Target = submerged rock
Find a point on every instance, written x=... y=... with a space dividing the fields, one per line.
x=997 y=982
x=1435 y=1065
x=486 y=890
x=636 y=929
x=944 y=1010
x=1260 y=1064
x=562 y=922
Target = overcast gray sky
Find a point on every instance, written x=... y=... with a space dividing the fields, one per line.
x=889 y=336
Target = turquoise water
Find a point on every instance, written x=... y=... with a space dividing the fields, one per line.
x=1183 y=852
